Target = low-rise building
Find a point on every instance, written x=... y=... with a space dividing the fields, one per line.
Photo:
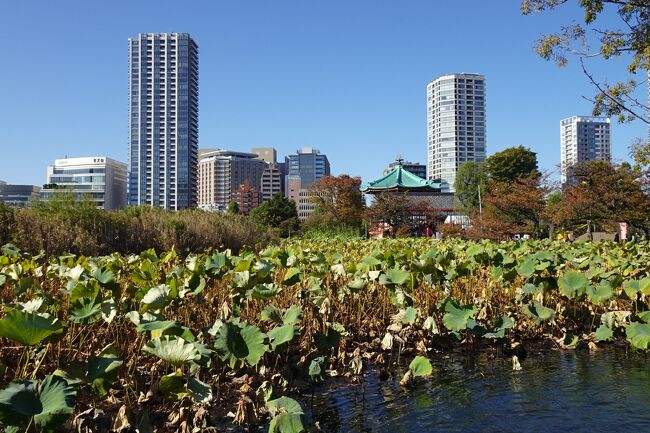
x=18 y=195
x=98 y=179
x=247 y=197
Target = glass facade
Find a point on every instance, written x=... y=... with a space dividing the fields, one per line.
x=163 y=120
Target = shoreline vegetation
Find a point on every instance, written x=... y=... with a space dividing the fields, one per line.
x=172 y=342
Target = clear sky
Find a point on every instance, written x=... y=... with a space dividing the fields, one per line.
x=346 y=77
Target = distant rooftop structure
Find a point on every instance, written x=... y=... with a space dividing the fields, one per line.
x=400 y=180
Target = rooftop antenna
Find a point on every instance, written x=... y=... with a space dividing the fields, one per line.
x=399 y=159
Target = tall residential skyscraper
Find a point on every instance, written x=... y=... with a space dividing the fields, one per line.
x=583 y=138
x=455 y=125
x=163 y=120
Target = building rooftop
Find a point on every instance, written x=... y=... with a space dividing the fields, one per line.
x=400 y=179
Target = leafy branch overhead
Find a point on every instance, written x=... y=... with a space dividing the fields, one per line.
x=586 y=40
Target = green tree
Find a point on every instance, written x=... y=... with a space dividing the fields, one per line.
x=278 y=213
x=233 y=208
x=631 y=38
x=469 y=179
x=511 y=164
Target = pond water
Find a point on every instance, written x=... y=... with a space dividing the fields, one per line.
x=556 y=391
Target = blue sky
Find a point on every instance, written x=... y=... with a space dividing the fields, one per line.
x=346 y=77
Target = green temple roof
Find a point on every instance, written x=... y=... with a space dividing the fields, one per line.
x=401 y=180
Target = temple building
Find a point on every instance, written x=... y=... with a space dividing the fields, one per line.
x=427 y=203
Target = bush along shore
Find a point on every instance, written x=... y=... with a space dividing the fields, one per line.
x=164 y=342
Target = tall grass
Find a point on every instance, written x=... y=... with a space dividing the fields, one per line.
x=76 y=227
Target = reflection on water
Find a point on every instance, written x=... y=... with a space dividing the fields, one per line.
x=555 y=391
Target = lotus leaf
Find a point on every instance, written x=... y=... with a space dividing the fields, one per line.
x=398 y=276
x=457 y=316
x=29 y=328
x=601 y=293
x=282 y=334
x=172 y=386
x=603 y=333
x=421 y=366
x=239 y=342
x=47 y=405
x=292 y=276
x=85 y=311
x=198 y=391
x=287 y=416
x=174 y=350
x=265 y=291
x=538 y=312
x=638 y=334
x=272 y=313
x=293 y=315
x=526 y=268
x=573 y=284
x=157 y=297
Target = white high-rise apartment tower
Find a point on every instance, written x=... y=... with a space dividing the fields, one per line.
x=455 y=125
x=583 y=138
x=163 y=120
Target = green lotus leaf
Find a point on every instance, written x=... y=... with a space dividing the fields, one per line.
x=237 y=343
x=357 y=284
x=526 y=268
x=601 y=293
x=108 y=310
x=173 y=350
x=196 y=284
x=538 y=312
x=32 y=306
x=457 y=316
x=293 y=315
x=281 y=335
x=398 y=276
x=85 y=311
x=241 y=280
x=172 y=386
x=265 y=291
x=46 y=405
x=29 y=328
x=287 y=416
x=638 y=334
x=421 y=366
x=632 y=287
x=573 y=284
x=157 y=297
x=292 y=276
x=316 y=368
x=603 y=333
x=644 y=316
x=105 y=278
x=83 y=289
x=409 y=316
x=272 y=313
x=103 y=370
x=10 y=250
x=502 y=324
x=198 y=391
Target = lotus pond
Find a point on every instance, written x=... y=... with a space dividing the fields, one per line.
x=160 y=342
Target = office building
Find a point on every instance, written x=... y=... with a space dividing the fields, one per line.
x=18 y=195
x=583 y=138
x=223 y=171
x=98 y=179
x=272 y=181
x=420 y=170
x=266 y=154
x=455 y=125
x=163 y=120
x=304 y=168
